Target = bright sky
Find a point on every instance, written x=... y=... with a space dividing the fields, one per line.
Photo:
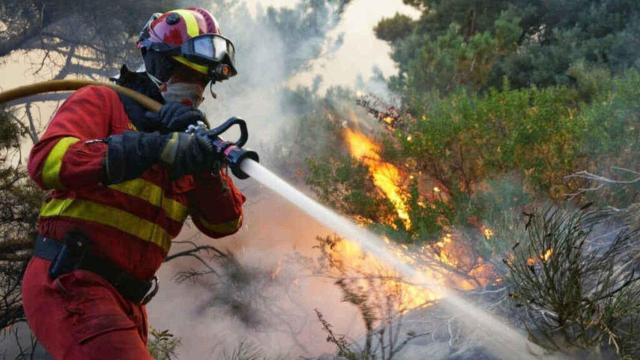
x=359 y=54
x=361 y=51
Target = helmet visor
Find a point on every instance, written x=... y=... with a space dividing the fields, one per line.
x=209 y=49
x=214 y=51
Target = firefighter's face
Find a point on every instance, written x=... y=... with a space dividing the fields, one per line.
x=185 y=86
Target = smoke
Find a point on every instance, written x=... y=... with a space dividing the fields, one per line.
x=265 y=297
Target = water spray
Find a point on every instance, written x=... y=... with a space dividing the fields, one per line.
x=501 y=340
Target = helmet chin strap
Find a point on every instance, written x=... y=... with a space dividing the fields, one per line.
x=213 y=94
x=156 y=81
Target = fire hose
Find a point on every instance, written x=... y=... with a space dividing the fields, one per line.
x=232 y=153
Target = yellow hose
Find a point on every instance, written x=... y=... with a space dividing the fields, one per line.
x=70 y=85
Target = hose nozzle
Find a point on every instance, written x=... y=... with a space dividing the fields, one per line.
x=233 y=153
x=234 y=156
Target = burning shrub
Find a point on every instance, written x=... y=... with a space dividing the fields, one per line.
x=381 y=296
x=576 y=277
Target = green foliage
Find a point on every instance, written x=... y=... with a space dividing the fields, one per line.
x=562 y=33
x=395 y=28
x=426 y=220
x=479 y=43
x=162 y=345
x=450 y=60
x=464 y=139
x=611 y=121
x=611 y=133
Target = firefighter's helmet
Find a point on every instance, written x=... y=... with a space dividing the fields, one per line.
x=190 y=37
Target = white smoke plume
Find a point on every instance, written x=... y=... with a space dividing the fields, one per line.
x=208 y=314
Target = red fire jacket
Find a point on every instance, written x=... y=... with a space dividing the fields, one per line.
x=131 y=223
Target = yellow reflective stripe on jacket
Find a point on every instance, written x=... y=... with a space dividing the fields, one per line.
x=154 y=195
x=190 y=20
x=222 y=228
x=110 y=216
x=53 y=163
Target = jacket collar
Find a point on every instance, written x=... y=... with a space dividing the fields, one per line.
x=140 y=82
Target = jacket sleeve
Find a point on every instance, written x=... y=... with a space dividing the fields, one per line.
x=215 y=205
x=66 y=157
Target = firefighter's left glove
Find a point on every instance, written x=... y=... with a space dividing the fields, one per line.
x=188 y=154
x=131 y=153
x=174 y=116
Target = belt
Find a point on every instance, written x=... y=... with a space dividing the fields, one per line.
x=137 y=291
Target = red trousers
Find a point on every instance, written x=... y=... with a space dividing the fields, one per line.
x=80 y=315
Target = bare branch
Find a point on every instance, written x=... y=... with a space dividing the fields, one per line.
x=33 y=133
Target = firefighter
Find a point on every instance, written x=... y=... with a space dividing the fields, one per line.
x=122 y=182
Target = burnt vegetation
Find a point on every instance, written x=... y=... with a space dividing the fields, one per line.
x=577 y=279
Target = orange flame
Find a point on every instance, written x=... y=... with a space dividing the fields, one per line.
x=386 y=176
x=544 y=257
x=350 y=258
x=487 y=232
x=455 y=259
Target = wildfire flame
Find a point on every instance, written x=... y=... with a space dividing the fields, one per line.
x=386 y=176
x=350 y=260
x=544 y=257
x=442 y=262
x=389 y=121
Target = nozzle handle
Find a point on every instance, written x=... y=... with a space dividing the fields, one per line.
x=244 y=132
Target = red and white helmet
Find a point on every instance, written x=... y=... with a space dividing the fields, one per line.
x=191 y=37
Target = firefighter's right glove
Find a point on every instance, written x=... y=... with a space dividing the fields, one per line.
x=174 y=116
x=188 y=154
x=132 y=153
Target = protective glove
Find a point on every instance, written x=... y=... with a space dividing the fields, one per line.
x=189 y=154
x=174 y=116
x=132 y=153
